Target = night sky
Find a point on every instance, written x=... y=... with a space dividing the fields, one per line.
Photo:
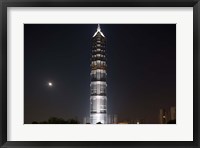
x=141 y=73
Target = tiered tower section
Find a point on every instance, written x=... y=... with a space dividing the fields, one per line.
x=98 y=85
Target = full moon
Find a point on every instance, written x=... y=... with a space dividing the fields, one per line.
x=50 y=84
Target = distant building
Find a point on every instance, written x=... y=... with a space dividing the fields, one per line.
x=109 y=119
x=173 y=113
x=115 y=120
x=86 y=120
x=163 y=116
x=112 y=119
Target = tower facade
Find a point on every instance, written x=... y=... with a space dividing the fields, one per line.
x=98 y=85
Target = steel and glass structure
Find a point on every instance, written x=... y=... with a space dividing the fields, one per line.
x=98 y=85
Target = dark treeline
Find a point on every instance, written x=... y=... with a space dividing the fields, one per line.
x=55 y=120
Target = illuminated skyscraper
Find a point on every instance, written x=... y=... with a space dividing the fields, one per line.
x=98 y=85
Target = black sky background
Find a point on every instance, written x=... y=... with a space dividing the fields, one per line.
x=141 y=73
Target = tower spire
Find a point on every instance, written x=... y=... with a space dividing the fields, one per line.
x=98 y=31
x=98 y=27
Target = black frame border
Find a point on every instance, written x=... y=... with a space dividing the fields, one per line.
x=99 y=3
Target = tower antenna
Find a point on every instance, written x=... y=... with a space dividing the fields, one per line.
x=98 y=27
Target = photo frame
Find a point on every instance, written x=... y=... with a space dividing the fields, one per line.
x=195 y=4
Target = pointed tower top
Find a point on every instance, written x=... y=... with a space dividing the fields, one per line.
x=98 y=27
x=98 y=30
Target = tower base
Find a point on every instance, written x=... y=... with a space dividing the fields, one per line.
x=100 y=118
